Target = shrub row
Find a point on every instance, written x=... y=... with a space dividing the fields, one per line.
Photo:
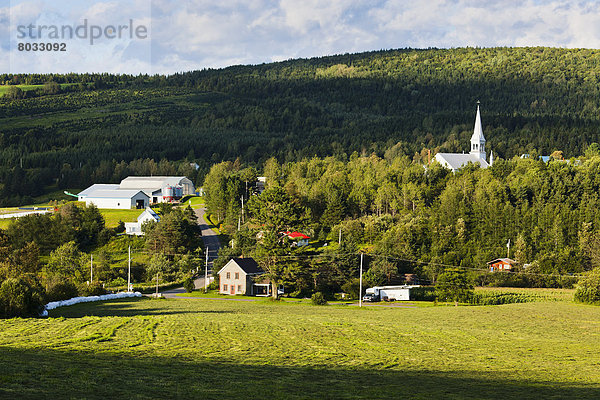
x=498 y=298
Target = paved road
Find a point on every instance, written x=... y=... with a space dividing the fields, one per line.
x=211 y=240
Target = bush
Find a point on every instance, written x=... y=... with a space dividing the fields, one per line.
x=189 y=285
x=454 y=285
x=423 y=293
x=94 y=289
x=119 y=281
x=19 y=298
x=214 y=285
x=351 y=288
x=588 y=288
x=61 y=290
x=318 y=299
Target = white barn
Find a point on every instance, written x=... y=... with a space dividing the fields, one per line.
x=138 y=192
x=455 y=161
x=135 y=228
x=110 y=196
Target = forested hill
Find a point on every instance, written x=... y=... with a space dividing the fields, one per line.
x=75 y=131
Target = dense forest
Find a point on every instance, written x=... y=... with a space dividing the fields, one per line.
x=72 y=129
x=419 y=219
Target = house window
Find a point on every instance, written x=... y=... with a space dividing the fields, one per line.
x=228 y=275
x=237 y=275
x=239 y=288
x=224 y=288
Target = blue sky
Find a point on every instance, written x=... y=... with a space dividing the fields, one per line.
x=193 y=34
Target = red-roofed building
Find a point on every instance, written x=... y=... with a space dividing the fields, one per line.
x=298 y=238
x=501 y=264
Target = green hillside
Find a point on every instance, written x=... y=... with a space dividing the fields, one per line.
x=540 y=99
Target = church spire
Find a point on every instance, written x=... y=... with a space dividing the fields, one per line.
x=477 y=140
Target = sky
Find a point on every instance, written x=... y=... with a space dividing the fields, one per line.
x=184 y=35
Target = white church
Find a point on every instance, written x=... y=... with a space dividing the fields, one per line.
x=455 y=161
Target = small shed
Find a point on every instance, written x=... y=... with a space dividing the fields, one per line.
x=135 y=228
x=501 y=264
x=298 y=239
x=237 y=277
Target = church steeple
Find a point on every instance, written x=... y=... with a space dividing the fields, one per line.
x=477 y=140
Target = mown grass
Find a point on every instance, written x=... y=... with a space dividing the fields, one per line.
x=112 y=217
x=193 y=348
x=193 y=201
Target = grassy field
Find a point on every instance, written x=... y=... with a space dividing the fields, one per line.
x=112 y=217
x=194 y=348
x=4 y=88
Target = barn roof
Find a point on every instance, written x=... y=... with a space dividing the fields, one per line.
x=98 y=186
x=152 y=182
x=114 y=194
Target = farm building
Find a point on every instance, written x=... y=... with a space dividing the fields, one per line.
x=139 y=190
x=135 y=228
x=238 y=277
x=111 y=196
x=501 y=264
x=160 y=189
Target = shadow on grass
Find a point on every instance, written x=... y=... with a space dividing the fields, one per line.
x=47 y=373
x=121 y=308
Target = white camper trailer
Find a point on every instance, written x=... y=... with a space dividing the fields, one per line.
x=388 y=293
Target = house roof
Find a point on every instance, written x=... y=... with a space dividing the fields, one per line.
x=455 y=161
x=150 y=212
x=505 y=260
x=248 y=265
x=296 y=235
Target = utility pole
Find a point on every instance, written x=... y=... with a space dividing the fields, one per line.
x=508 y=249
x=129 y=271
x=360 y=279
x=242 y=208
x=91 y=269
x=239 y=223
x=206 y=272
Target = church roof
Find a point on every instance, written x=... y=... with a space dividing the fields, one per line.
x=478 y=130
x=456 y=161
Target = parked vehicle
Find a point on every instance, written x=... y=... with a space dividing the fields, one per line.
x=388 y=293
x=370 y=297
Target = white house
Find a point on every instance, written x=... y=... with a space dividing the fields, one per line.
x=138 y=192
x=455 y=161
x=111 y=196
x=135 y=228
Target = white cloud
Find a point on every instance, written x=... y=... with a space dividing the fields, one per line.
x=193 y=34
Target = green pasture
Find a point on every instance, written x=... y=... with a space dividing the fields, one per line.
x=4 y=88
x=213 y=349
x=112 y=217
x=196 y=201
x=25 y=88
